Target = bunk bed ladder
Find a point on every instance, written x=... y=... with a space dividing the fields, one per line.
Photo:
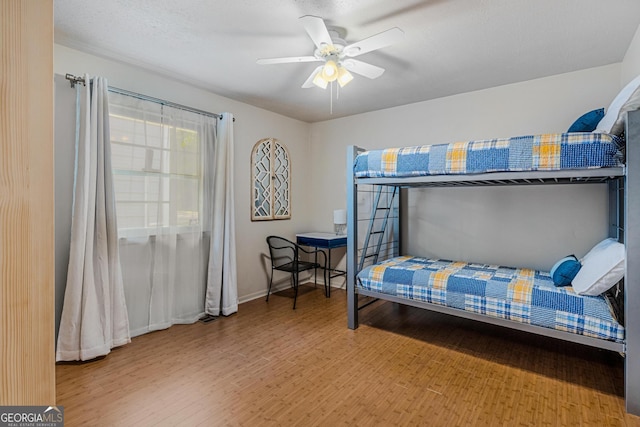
x=371 y=231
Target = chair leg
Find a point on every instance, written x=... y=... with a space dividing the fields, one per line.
x=295 y=289
x=270 y=282
x=327 y=283
x=327 y=288
x=315 y=269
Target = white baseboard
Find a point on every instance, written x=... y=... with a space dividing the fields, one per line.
x=285 y=285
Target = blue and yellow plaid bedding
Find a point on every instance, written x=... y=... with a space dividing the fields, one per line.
x=521 y=295
x=522 y=153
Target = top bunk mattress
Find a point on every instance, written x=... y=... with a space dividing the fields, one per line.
x=546 y=152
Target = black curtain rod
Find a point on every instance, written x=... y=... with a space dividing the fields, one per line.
x=73 y=80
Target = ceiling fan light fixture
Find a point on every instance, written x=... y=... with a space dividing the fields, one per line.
x=330 y=71
x=344 y=76
x=319 y=81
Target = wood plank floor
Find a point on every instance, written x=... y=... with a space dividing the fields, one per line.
x=271 y=365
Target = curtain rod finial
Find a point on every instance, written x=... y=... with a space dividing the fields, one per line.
x=73 y=80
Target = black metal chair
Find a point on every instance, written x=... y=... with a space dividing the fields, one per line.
x=285 y=257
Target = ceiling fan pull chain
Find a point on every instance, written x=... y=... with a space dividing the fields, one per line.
x=331 y=104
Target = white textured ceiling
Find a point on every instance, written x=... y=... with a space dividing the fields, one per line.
x=450 y=46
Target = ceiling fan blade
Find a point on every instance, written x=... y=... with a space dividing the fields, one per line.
x=383 y=39
x=287 y=60
x=309 y=82
x=363 y=68
x=317 y=30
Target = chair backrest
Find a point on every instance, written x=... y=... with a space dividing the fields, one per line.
x=282 y=251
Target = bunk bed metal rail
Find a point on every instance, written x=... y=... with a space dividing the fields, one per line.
x=570 y=176
x=553 y=333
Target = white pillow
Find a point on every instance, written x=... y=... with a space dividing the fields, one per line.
x=602 y=267
x=611 y=117
x=632 y=104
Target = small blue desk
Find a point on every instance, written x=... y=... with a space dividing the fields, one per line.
x=326 y=241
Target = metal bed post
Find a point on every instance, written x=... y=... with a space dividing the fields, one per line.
x=352 y=239
x=616 y=209
x=632 y=273
x=396 y=222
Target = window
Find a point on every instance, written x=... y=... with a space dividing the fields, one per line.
x=271 y=181
x=156 y=163
x=163 y=173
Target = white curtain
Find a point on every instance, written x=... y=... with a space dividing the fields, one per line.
x=222 y=287
x=94 y=316
x=161 y=177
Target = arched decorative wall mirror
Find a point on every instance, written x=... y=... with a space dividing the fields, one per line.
x=271 y=181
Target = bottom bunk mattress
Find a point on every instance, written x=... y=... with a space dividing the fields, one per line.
x=522 y=295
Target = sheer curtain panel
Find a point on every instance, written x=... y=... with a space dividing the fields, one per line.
x=160 y=176
x=94 y=316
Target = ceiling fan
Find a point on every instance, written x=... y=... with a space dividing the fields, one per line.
x=337 y=55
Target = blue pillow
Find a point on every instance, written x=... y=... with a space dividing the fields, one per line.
x=565 y=270
x=588 y=121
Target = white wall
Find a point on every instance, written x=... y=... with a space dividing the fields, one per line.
x=631 y=61
x=527 y=227
x=252 y=124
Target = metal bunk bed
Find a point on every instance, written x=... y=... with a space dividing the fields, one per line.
x=624 y=225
